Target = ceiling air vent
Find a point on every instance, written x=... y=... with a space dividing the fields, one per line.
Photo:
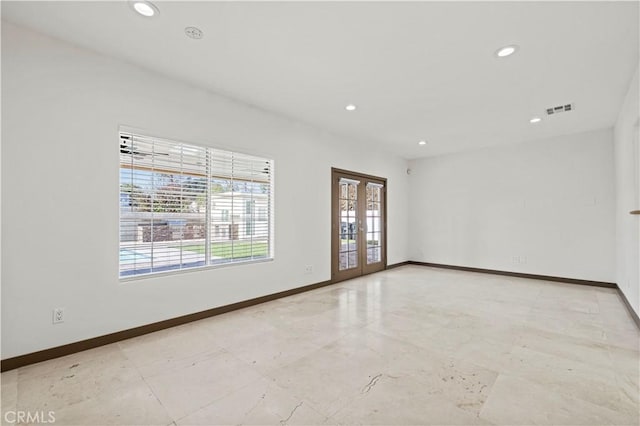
x=560 y=108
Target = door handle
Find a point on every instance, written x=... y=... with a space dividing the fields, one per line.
x=634 y=212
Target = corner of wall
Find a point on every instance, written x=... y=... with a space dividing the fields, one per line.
x=627 y=166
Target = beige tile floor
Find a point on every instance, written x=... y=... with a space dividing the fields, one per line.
x=412 y=345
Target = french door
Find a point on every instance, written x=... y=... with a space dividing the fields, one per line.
x=358 y=224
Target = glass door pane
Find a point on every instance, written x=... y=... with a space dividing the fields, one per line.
x=374 y=222
x=348 y=224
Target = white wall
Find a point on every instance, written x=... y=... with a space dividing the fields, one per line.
x=61 y=109
x=549 y=203
x=628 y=226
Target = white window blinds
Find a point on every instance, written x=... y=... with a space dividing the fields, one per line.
x=187 y=206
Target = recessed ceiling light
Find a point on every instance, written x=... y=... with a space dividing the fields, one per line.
x=535 y=120
x=503 y=52
x=144 y=8
x=350 y=107
x=422 y=143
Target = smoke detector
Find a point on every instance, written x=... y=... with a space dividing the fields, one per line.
x=193 y=32
x=560 y=108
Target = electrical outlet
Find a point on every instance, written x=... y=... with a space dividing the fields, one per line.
x=308 y=269
x=58 y=315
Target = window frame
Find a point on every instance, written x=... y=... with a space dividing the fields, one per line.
x=211 y=223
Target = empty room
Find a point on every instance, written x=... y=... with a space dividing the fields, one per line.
x=320 y=213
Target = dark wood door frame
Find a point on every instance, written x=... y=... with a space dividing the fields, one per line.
x=364 y=268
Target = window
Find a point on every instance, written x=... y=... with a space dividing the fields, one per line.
x=186 y=206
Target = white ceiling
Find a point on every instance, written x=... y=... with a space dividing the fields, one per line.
x=416 y=70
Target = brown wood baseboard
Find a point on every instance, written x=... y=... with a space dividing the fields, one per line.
x=59 y=351
x=397 y=265
x=83 y=345
x=518 y=274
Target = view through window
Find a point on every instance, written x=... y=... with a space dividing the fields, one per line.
x=186 y=206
